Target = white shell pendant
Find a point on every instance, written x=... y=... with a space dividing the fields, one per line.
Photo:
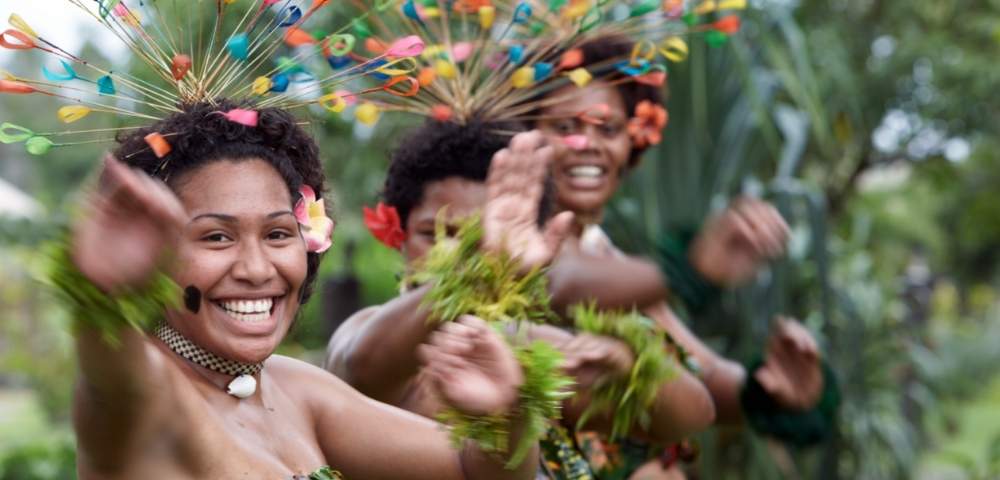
x=242 y=386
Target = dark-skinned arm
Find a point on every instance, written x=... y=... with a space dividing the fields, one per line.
x=115 y=247
x=350 y=425
x=640 y=283
x=576 y=277
x=120 y=394
x=375 y=351
x=724 y=378
x=683 y=406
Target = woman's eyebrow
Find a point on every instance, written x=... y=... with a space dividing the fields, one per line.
x=217 y=216
x=232 y=219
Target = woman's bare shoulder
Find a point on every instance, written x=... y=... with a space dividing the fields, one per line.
x=292 y=372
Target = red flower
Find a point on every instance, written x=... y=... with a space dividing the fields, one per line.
x=385 y=226
x=646 y=125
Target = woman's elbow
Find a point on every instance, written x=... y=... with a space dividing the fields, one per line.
x=685 y=408
x=705 y=416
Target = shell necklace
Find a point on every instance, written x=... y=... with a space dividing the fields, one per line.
x=242 y=386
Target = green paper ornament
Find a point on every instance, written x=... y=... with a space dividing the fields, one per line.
x=715 y=38
x=38 y=145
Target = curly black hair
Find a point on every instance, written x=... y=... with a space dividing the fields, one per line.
x=436 y=151
x=601 y=54
x=199 y=134
x=439 y=150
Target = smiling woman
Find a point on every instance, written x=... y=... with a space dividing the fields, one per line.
x=232 y=204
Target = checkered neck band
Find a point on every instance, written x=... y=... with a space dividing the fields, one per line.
x=189 y=350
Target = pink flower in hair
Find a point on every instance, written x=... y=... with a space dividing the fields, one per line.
x=317 y=227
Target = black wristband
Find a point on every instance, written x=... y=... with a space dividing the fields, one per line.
x=799 y=428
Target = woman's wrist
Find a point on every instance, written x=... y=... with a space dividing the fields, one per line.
x=93 y=307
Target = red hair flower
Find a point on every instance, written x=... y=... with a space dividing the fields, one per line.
x=385 y=226
x=646 y=125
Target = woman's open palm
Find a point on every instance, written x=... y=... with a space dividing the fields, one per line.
x=125 y=227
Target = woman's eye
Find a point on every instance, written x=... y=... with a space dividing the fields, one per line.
x=611 y=129
x=216 y=237
x=564 y=127
x=278 y=235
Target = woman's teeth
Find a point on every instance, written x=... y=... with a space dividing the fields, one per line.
x=588 y=171
x=248 y=310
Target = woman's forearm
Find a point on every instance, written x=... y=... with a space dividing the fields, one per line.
x=612 y=282
x=725 y=381
x=477 y=464
x=723 y=377
x=378 y=354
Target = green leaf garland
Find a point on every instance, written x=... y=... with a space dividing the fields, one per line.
x=629 y=397
x=492 y=286
x=138 y=308
x=488 y=285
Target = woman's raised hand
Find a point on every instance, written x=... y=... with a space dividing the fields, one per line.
x=735 y=244
x=792 y=373
x=472 y=368
x=124 y=228
x=514 y=188
x=590 y=357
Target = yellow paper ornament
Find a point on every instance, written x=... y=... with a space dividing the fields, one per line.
x=708 y=6
x=333 y=102
x=367 y=113
x=445 y=69
x=733 y=5
x=523 y=77
x=72 y=113
x=17 y=22
x=261 y=85
x=486 y=16
x=580 y=76
x=674 y=49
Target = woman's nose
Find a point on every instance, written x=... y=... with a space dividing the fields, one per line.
x=253 y=266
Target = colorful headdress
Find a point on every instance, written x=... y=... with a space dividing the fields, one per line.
x=496 y=60
x=445 y=59
x=500 y=61
x=267 y=60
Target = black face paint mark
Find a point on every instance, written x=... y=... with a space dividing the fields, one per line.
x=192 y=298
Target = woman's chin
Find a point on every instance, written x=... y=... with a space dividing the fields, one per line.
x=585 y=205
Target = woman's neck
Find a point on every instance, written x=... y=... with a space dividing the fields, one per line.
x=216 y=370
x=581 y=220
x=220 y=380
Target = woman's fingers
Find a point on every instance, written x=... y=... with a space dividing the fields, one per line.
x=450 y=343
x=744 y=230
x=770 y=229
x=163 y=203
x=557 y=230
x=433 y=356
x=772 y=226
x=129 y=189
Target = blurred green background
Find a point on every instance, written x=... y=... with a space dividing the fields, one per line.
x=873 y=125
